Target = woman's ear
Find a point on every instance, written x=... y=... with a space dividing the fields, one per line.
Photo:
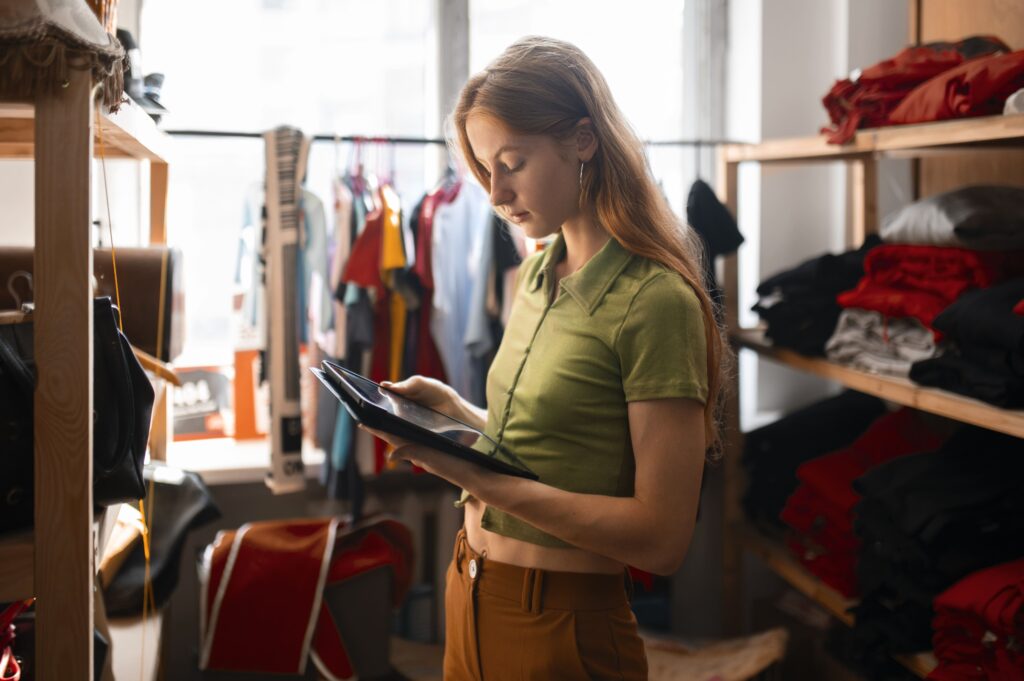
x=586 y=140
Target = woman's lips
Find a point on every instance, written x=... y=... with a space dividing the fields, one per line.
x=518 y=217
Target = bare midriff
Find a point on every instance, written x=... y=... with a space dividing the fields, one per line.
x=504 y=549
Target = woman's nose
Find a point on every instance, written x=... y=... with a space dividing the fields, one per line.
x=501 y=193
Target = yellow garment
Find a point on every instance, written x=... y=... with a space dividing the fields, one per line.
x=392 y=257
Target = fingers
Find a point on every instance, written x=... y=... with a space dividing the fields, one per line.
x=401 y=386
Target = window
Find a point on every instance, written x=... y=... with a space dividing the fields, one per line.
x=325 y=66
x=637 y=48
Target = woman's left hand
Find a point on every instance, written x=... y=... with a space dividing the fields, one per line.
x=453 y=469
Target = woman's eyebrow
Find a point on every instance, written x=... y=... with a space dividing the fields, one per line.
x=507 y=147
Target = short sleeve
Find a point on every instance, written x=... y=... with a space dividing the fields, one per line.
x=661 y=344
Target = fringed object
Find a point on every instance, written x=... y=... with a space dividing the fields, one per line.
x=37 y=51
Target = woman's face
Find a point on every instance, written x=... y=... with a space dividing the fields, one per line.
x=534 y=179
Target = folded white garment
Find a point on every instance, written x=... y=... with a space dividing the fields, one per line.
x=1014 y=103
x=868 y=341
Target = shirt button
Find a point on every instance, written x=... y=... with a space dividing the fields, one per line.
x=472 y=569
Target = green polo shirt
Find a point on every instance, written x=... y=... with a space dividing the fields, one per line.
x=622 y=329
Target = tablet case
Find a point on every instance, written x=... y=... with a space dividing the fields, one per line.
x=380 y=419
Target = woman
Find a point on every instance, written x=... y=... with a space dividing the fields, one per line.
x=604 y=385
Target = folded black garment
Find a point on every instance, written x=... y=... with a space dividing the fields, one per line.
x=866 y=657
x=984 y=317
x=927 y=520
x=898 y=626
x=955 y=372
x=772 y=453
x=803 y=323
x=826 y=273
x=975 y=466
x=918 y=570
x=180 y=502
x=799 y=305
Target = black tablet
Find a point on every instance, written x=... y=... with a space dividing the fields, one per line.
x=390 y=412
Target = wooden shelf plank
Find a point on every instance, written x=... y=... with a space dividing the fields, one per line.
x=965 y=131
x=899 y=390
x=129 y=133
x=782 y=563
x=16 y=562
x=786 y=566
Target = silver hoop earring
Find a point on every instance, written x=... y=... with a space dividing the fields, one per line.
x=581 y=175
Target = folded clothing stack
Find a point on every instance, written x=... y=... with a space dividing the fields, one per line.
x=985 y=356
x=799 y=305
x=772 y=453
x=902 y=280
x=979 y=626
x=926 y=521
x=820 y=511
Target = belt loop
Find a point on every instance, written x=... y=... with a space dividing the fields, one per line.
x=533 y=591
x=526 y=599
x=537 y=604
x=459 y=549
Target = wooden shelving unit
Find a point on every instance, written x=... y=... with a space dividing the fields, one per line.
x=775 y=556
x=898 y=140
x=915 y=141
x=56 y=562
x=899 y=390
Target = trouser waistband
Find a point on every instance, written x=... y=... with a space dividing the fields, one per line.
x=537 y=590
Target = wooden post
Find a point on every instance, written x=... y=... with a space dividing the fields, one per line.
x=732 y=444
x=157 y=202
x=863 y=211
x=161 y=430
x=64 y=572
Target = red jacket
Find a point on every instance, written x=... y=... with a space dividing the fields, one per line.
x=868 y=101
x=975 y=88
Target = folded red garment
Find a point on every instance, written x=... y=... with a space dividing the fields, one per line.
x=867 y=101
x=921 y=281
x=838 y=570
x=979 y=622
x=893 y=435
x=995 y=596
x=978 y=87
x=814 y=517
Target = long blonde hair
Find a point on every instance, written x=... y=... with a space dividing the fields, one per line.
x=546 y=86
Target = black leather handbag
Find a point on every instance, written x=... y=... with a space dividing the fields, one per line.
x=122 y=409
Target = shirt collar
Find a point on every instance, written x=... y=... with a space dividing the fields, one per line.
x=590 y=283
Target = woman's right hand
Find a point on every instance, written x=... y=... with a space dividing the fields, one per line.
x=429 y=392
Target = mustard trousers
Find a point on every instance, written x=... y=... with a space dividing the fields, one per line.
x=509 y=623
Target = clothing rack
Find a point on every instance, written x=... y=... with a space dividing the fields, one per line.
x=415 y=140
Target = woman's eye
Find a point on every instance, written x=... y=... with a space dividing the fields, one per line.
x=506 y=169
